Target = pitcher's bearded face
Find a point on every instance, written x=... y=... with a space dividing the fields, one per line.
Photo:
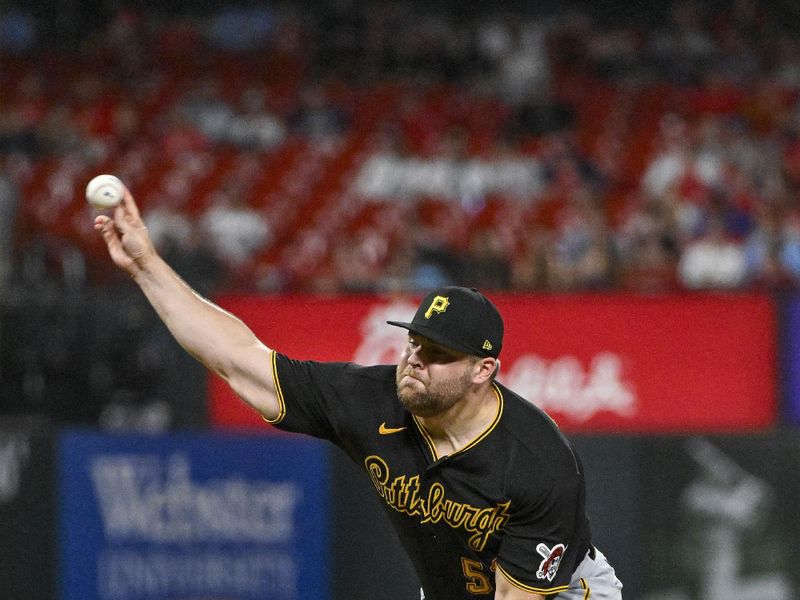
x=430 y=378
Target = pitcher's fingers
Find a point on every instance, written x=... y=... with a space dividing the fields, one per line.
x=119 y=216
x=108 y=229
x=130 y=205
x=123 y=220
x=100 y=221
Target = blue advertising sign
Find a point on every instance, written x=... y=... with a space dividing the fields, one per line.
x=791 y=359
x=192 y=516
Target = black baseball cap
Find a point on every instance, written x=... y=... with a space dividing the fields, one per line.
x=459 y=318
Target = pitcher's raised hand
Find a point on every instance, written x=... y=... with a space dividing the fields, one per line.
x=125 y=235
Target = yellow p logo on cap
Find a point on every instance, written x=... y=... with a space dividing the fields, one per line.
x=439 y=304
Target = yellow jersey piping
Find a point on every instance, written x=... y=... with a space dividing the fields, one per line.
x=427 y=438
x=480 y=437
x=585 y=586
x=529 y=588
x=278 y=391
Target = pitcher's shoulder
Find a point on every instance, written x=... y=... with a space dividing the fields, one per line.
x=533 y=429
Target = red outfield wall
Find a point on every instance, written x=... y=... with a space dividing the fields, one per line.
x=596 y=363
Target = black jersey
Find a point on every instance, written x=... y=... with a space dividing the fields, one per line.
x=513 y=499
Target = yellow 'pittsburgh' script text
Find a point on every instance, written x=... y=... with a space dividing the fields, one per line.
x=404 y=495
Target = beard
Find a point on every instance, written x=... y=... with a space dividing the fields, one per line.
x=436 y=397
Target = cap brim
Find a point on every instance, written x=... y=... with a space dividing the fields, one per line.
x=435 y=336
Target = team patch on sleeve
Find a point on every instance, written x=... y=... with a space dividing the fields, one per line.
x=551 y=560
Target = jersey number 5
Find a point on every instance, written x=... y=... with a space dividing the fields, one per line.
x=477 y=581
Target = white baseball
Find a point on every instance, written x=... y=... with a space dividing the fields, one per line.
x=105 y=191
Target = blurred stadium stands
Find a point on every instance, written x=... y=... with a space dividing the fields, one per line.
x=658 y=148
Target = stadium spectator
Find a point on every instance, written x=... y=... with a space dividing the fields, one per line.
x=487 y=266
x=713 y=261
x=317 y=116
x=235 y=231
x=763 y=250
x=529 y=264
x=580 y=256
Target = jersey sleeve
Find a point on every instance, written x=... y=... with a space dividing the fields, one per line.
x=543 y=541
x=327 y=400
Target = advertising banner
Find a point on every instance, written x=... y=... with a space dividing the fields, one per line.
x=791 y=359
x=596 y=363
x=192 y=516
x=27 y=509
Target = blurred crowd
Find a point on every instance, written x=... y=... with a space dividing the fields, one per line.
x=667 y=154
x=382 y=147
